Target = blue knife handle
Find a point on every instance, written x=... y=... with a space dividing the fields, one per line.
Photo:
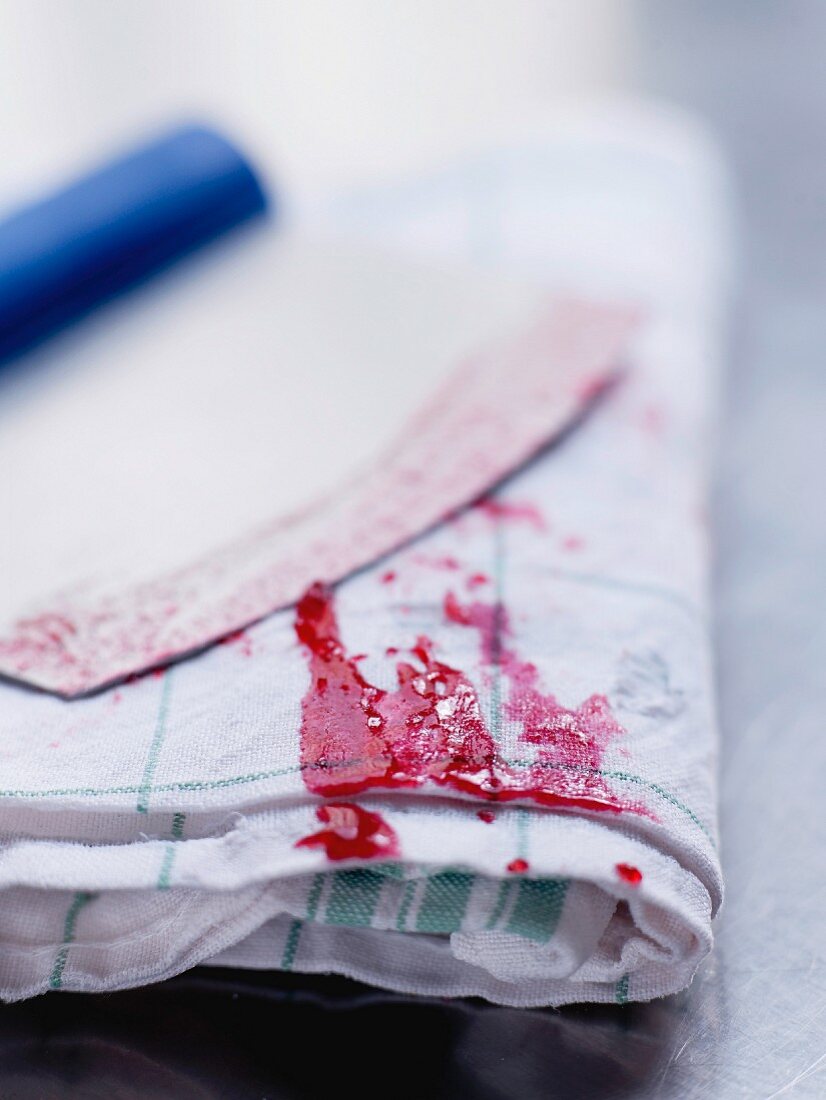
x=65 y=254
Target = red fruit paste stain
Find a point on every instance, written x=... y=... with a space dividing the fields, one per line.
x=239 y=639
x=352 y=833
x=488 y=816
x=518 y=866
x=431 y=730
x=388 y=577
x=476 y=580
x=495 y=508
x=629 y=874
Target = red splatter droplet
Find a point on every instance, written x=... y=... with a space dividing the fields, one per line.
x=391 y=651
x=352 y=833
x=477 y=580
x=511 y=510
x=241 y=639
x=518 y=866
x=488 y=816
x=388 y=577
x=573 y=543
x=431 y=728
x=629 y=874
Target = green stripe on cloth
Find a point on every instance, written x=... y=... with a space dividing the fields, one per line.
x=354 y=896
x=445 y=902
x=621 y=991
x=69 y=924
x=155 y=747
x=294 y=933
x=505 y=887
x=406 y=902
x=538 y=908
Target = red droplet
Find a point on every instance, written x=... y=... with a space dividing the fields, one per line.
x=388 y=577
x=629 y=874
x=488 y=816
x=476 y=580
x=352 y=833
x=518 y=866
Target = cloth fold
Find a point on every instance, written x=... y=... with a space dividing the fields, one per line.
x=482 y=766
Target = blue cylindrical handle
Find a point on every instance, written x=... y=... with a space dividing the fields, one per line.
x=63 y=255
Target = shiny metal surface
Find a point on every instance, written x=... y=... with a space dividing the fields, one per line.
x=754 y=1022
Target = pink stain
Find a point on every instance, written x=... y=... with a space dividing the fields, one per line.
x=431 y=729
x=653 y=420
x=388 y=577
x=518 y=866
x=517 y=511
x=573 y=543
x=477 y=580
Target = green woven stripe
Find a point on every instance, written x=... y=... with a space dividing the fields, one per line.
x=445 y=902
x=406 y=902
x=291 y=945
x=621 y=991
x=166 y=867
x=294 y=933
x=538 y=908
x=155 y=747
x=505 y=887
x=354 y=896
x=69 y=924
x=260 y=777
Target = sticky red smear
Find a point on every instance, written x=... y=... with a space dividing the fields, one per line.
x=476 y=580
x=488 y=816
x=518 y=866
x=352 y=833
x=431 y=729
x=629 y=874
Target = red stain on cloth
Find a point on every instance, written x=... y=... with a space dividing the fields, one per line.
x=351 y=833
x=431 y=729
x=629 y=874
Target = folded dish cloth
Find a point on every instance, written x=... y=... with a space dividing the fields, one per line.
x=482 y=766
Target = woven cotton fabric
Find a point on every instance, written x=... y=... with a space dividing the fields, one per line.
x=163 y=823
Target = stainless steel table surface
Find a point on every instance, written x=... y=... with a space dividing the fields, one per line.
x=754 y=1022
